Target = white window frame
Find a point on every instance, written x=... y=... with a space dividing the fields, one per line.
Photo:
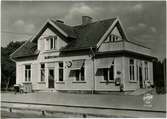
x=137 y=71
x=52 y=46
x=80 y=79
x=132 y=71
x=61 y=68
x=112 y=38
x=146 y=70
x=41 y=71
x=108 y=73
x=27 y=73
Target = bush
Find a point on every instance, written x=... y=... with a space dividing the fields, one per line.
x=160 y=90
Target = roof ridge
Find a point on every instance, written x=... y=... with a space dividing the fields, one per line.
x=95 y=22
x=60 y=22
x=102 y=20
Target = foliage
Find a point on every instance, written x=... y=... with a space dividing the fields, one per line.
x=8 y=67
x=159 y=74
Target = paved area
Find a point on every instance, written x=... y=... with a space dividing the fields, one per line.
x=96 y=100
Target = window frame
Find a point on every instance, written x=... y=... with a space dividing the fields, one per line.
x=108 y=70
x=80 y=74
x=42 y=69
x=137 y=71
x=61 y=68
x=146 y=70
x=27 y=73
x=52 y=42
x=132 y=70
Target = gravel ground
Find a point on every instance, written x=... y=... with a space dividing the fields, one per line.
x=99 y=100
x=6 y=114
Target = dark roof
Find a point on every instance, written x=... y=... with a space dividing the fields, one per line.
x=89 y=35
x=27 y=49
x=86 y=36
x=67 y=29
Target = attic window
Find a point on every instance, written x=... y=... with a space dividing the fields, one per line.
x=52 y=42
x=112 y=38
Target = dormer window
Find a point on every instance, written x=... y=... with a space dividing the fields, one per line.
x=112 y=38
x=52 y=42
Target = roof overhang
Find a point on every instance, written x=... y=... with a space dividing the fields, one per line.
x=125 y=53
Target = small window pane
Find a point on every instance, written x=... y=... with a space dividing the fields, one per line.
x=29 y=74
x=131 y=61
x=111 y=73
x=42 y=65
x=60 y=64
x=51 y=43
x=25 y=75
x=105 y=74
x=60 y=74
x=28 y=66
x=82 y=74
x=77 y=75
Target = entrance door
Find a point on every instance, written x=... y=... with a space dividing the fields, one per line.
x=51 y=78
x=140 y=77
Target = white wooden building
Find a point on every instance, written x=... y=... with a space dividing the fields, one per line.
x=93 y=56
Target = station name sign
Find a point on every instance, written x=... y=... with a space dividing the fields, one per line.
x=50 y=57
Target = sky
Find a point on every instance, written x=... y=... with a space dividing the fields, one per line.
x=143 y=22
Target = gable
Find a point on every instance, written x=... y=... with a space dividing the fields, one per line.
x=46 y=33
x=116 y=29
x=116 y=32
x=114 y=36
x=43 y=42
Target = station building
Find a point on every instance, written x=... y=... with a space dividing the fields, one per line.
x=93 y=56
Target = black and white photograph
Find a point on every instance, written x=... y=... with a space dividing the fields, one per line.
x=83 y=59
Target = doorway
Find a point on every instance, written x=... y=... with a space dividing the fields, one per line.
x=140 y=77
x=51 y=78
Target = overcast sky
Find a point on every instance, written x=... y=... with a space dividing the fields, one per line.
x=144 y=22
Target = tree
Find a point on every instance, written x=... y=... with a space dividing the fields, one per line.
x=159 y=77
x=8 y=67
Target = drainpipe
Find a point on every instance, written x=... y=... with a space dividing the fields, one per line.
x=93 y=55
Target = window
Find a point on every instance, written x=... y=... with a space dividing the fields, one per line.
x=78 y=70
x=111 y=72
x=105 y=74
x=108 y=73
x=137 y=71
x=82 y=74
x=112 y=38
x=42 y=72
x=52 y=40
x=79 y=74
x=27 y=72
x=131 y=71
x=146 y=71
x=60 y=71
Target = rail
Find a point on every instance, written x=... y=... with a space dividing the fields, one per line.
x=84 y=110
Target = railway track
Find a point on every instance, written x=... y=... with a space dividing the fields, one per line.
x=77 y=111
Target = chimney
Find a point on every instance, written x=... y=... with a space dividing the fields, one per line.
x=60 y=21
x=86 y=20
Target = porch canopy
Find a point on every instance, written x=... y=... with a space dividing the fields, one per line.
x=104 y=63
x=77 y=64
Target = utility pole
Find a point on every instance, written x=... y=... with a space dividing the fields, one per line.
x=93 y=56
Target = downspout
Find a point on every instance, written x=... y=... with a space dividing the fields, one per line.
x=93 y=55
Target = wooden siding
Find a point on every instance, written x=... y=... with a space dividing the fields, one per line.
x=124 y=45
